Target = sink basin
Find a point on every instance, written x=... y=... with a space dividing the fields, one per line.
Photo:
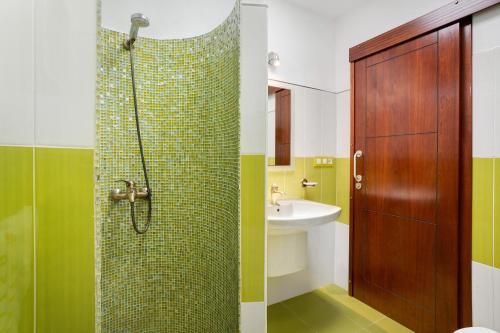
x=288 y=226
x=300 y=214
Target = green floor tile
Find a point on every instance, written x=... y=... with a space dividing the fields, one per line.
x=325 y=313
x=356 y=310
x=388 y=325
x=280 y=320
x=329 y=309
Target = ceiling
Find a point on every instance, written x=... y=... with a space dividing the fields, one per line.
x=329 y=8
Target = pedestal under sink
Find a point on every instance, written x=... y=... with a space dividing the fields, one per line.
x=288 y=224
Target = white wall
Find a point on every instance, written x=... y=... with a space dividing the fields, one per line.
x=304 y=41
x=168 y=18
x=48 y=73
x=253 y=107
x=486 y=141
x=17 y=78
x=65 y=72
x=253 y=99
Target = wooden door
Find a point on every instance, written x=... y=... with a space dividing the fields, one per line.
x=406 y=211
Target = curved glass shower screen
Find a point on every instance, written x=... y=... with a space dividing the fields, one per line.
x=183 y=274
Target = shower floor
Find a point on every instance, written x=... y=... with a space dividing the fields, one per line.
x=329 y=309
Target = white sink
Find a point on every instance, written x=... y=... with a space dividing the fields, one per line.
x=301 y=214
x=288 y=226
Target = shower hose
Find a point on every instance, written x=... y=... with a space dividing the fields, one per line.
x=143 y=160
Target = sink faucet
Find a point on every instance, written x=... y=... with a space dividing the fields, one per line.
x=274 y=194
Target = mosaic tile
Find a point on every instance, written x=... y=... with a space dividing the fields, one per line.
x=183 y=274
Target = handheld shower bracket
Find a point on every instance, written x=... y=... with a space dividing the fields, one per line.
x=138 y=20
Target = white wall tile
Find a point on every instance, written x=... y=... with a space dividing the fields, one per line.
x=328 y=124
x=486 y=83
x=343 y=123
x=483 y=104
x=312 y=122
x=482 y=295
x=486 y=25
x=65 y=42
x=253 y=317
x=299 y=116
x=496 y=299
x=341 y=259
x=496 y=93
x=253 y=68
x=17 y=73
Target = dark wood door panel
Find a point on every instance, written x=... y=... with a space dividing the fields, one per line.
x=406 y=212
x=407 y=47
x=415 y=318
x=401 y=175
x=396 y=257
x=402 y=94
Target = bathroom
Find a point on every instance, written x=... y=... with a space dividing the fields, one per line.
x=200 y=166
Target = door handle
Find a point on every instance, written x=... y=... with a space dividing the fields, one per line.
x=357 y=178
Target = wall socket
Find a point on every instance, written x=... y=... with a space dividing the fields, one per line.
x=323 y=162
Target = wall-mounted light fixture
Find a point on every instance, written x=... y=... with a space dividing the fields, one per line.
x=273 y=59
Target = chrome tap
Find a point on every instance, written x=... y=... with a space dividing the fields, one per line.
x=274 y=193
x=131 y=194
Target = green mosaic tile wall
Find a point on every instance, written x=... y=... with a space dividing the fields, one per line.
x=183 y=274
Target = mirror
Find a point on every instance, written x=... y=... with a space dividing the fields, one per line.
x=279 y=122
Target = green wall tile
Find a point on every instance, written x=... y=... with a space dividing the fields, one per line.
x=276 y=178
x=497 y=213
x=65 y=240
x=343 y=175
x=252 y=227
x=313 y=174
x=329 y=180
x=16 y=240
x=289 y=180
x=482 y=210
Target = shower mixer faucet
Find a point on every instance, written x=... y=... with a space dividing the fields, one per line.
x=131 y=194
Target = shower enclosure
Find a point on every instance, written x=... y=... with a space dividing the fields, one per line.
x=173 y=106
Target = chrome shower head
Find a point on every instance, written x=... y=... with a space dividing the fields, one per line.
x=138 y=20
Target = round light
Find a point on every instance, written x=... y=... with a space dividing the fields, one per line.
x=273 y=59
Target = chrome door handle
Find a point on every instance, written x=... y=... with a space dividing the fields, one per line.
x=357 y=178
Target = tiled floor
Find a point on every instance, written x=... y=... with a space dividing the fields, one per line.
x=328 y=309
